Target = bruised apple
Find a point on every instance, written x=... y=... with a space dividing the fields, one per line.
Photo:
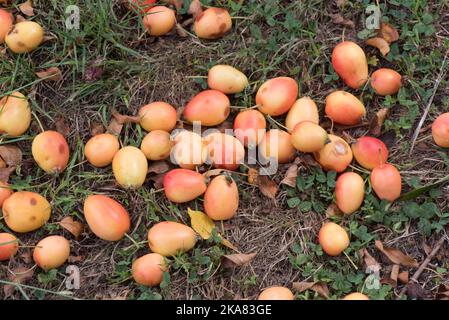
x=277 y=144
x=226 y=79
x=344 y=108
x=356 y=296
x=349 y=61
x=107 y=218
x=370 y=152
x=148 y=270
x=8 y=246
x=221 y=199
x=212 y=23
x=276 y=293
x=276 y=96
x=189 y=150
x=224 y=151
x=158 y=116
x=386 y=81
x=183 y=185
x=130 y=167
x=5 y=192
x=6 y=21
x=308 y=137
x=101 y=149
x=26 y=211
x=209 y=107
x=333 y=238
x=50 y=151
x=24 y=37
x=15 y=114
x=156 y=145
x=336 y=155
x=159 y=20
x=386 y=182
x=349 y=192
x=51 y=252
x=170 y=238
x=250 y=127
x=304 y=109
x=440 y=130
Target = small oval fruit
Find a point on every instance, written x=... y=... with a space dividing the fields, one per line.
x=336 y=155
x=51 y=252
x=370 y=152
x=304 y=109
x=349 y=62
x=386 y=82
x=24 y=37
x=158 y=116
x=15 y=114
x=6 y=21
x=156 y=145
x=276 y=293
x=183 y=185
x=250 y=127
x=170 y=238
x=209 y=107
x=333 y=239
x=101 y=149
x=50 y=151
x=224 y=151
x=349 y=192
x=276 y=96
x=221 y=199
x=356 y=296
x=386 y=182
x=344 y=108
x=148 y=270
x=159 y=21
x=8 y=246
x=107 y=218
x=440 y=130
x=277 y=144
x=212 y=23
x=189 y=150
x=226 y=79
x=130 y=167
x=5 y=192
x=26 y=211
x=308 y=137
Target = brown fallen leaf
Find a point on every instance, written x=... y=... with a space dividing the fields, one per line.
x=333 y=211
x=96 y=128
x=62 y=127
x=19 y=275
x=94 y=71
x=195 y=8
x=26 y=256
x=268 y=187
x=403 y=277
x=115 y=127
x=318 y=287
x=124 y=118
x=74 y=259
x=51 y=74
x=158 y=167
x=290 y=176
x=158 y=181
x=388 y=32
x=380 y=44
x=27 y=8
x=212 y=173
x=370 y=262
x=5 y=173
x=443 y=292
x=11 y=155
x=339 y=19
x=392 y=280
x=415 y=291
x=177 y=3
x=20 y=18
x=74 y=227
x=237 y=259
x=377 y=122
x=396 y=256
x=253 y=175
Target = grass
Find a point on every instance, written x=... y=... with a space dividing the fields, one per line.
x=269 y=38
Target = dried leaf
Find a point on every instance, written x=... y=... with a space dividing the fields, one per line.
x=195 y=8
x=96 y=128
x=371 y=264
x=74 y=259
x=393 y=279
x=333 y=211
x=201 y=223
x=94 y=70
x=12 y=155
x=319 y=287
x=158 y=181
x=339 y=19
x=388 y=32
x=237 y=260
x=290 y=176
x=377 y=122
x=253 y=175
x=20 y=18
x=19 y=275
x=212 y=173
x=27 y=8
x=415 y=291
x=51 y=74
x=268 y=187
x=380 y=44
x=74 y=227
x=158 y=167
x=403 y=277
x=26 y=256
x=122 y=119
x=396 y=256
x=5 y=173
x=62 y=127
x=177 y=3
x=443 y=292
x=228 y=244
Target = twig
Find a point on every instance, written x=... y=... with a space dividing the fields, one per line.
x=421 y=268
x=440 y=77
